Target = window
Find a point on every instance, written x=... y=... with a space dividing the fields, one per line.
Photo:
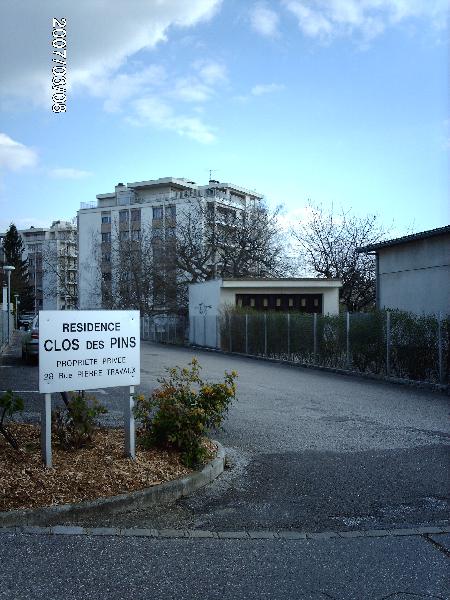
x=303 y=302
x=157 y=212
x=252 y=302
x=316 y=301
x=278 y=302
x=135 y=235
x=124 y=236
x=106 y=257
x=123 y=216
x=170 y=232
x=171 y=212
x=239 y=302
x=106 y=237
x=106 y=217
x=265 y=302
x=135 y=215
x=291 y=302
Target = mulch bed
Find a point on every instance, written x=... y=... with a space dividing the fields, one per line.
x=86 y=474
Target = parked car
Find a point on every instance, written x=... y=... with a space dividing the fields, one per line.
x=30 y=341
x=24 y=320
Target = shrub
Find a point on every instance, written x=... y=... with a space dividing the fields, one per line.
x=9 y=404
x=179 y=413
x=75 y=424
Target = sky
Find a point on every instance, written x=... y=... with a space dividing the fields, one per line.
x=342 y=103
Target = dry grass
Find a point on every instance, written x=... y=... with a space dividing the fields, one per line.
x=96 y=472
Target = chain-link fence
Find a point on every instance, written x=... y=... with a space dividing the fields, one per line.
x=165 y=329
x=390 y=343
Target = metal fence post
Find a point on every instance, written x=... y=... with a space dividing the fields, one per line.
x=246 y=334
x=440 y=353
x=229 y=333
x=204 y=330
x=348 y=339
x=217 y=331
x=315 y=337
x=288 y=335
x=265 y=334
x=388 y=343
x=168 y=329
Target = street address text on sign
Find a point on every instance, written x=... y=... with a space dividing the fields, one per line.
x=88 y=349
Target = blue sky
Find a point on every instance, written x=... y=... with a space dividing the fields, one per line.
x=342 y=102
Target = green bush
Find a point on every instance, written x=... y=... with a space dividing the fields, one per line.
x=75 y=424
x=419 y=347
x=178 y=414
x=9 y=404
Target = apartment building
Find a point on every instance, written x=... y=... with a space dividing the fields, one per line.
x=157 y=206
x=52 y=264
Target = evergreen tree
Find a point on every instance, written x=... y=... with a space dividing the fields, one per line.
x=13 y=250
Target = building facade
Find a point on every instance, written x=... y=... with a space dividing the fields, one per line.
x=413 y=272
x=152 y=209
x=52 y=264
x=209 y=299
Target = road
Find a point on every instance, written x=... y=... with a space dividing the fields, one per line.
x=308 y=452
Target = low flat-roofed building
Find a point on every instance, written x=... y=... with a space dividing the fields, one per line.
x=301 y=295
x=413 y=272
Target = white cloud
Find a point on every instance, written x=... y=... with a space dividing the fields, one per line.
x=327 y=19
x=264 y=20
x=290 y=219
x=268 y=88
x=101 y=36
x=102 y=41
x=211 y=72
x=201 y=85
x=69 y=173
x=119 y=89
x=154 y=111
x=14 y=155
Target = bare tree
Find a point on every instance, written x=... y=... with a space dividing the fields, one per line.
x=137 y=270
x=217 y=240
x=329 y=241
x=149 y=268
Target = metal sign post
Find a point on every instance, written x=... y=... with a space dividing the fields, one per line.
x=46 y=430
x=130 y=437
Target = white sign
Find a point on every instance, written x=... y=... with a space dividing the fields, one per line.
x=88 y=349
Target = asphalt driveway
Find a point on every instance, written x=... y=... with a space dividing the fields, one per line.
x=308 y=452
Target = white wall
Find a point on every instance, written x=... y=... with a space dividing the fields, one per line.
x=416 y=276
x=202 y=330
x=89 y=284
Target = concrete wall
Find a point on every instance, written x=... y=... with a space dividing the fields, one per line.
x=416 y=276
x=89 y=284
x=203 y=327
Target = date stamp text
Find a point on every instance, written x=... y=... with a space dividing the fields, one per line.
x=59 y=65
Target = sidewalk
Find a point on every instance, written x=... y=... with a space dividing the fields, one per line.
x=12 y=350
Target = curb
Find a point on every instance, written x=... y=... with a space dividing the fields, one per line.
x=424 y=385
x=430 y=533
x=161 y=494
